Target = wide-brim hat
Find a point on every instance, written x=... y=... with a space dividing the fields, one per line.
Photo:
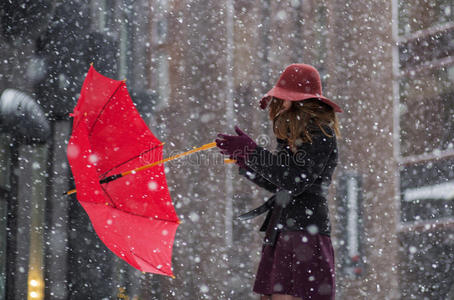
x=298 y=82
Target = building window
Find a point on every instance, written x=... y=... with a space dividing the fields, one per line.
x=425 y=109
x=422 y=14
x=424 y=116
x=427 y=191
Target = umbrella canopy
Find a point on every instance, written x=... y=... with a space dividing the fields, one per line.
x=133 y=215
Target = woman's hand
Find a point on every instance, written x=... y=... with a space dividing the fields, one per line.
x=237 y=147
x=240 y=162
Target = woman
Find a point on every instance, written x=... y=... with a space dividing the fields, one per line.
x=297 y=256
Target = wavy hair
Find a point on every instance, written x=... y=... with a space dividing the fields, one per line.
x=296 y=123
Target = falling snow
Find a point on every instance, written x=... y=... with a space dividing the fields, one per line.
x=195 y=69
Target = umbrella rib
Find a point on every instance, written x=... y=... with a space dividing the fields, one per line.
x=107 y=194
x=103 y=108
x=115 y=206
x=151 y=264
x=134 y=157
x=137 y=215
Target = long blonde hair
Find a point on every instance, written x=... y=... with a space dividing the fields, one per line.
x=295 y=123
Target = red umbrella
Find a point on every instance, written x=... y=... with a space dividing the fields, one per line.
x=133 y=215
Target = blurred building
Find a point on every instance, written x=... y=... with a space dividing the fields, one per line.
x=48 y=247
x=389 y=66
x=197 y=68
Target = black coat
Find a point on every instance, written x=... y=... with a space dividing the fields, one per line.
x=299 y=182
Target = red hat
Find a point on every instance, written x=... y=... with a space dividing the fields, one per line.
x=298 y=82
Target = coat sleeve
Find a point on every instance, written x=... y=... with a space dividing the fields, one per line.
x=293 y=172
x=257 y=179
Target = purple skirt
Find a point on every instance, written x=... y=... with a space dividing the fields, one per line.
x=300 y=265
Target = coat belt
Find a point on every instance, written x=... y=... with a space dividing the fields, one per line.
x=258 y=210
x=276 y=204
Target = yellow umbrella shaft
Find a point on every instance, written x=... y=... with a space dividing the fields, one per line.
x=204 y=147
